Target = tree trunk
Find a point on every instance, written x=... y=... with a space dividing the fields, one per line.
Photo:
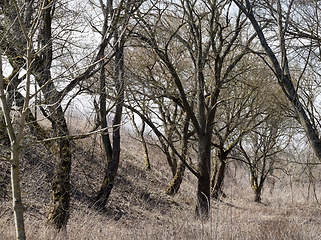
x=178 y=178
x=204 y=180
x=60 y=185
x=170 y=160
x=103 y=114
x=144 y=144
x=111 y=173
x=257 y=192
x=217 y=189
x=173 y=188
x=102 y=85
x=203 y=197
x=146 y=156
x=256 y=186
x=16 y=193
x=214 y=173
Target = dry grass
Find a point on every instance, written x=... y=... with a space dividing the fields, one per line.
x=139 y=209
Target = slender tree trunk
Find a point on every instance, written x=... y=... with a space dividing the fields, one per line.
x=170 y=160
x=111 y=173
x=214 y=173
x=103 y=95
x=145 y=150
x=103 y=114
x=15 y=136
x=144 y=144
x=16 y=193
x=178 y=178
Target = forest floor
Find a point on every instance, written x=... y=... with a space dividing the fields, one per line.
x=139 y=209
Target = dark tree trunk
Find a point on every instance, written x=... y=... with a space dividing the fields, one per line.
x=111 y=173
x=59 y=209
x=217 y=187
x=257 y=197
x=204 y=180
x=60 y=185
x=103 y=95
x=203 y=197
x=103 y=114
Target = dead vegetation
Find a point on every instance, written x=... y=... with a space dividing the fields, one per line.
x=139 y=209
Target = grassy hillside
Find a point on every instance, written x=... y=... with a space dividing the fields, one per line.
x=139 y=209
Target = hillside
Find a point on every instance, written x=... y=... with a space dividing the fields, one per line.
x=139 y=209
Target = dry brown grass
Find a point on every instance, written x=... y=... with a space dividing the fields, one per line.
x=139 y=209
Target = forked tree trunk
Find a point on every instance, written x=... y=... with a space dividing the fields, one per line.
x=112 y=168
x=178 y=178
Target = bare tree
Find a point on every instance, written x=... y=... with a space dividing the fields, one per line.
x=15 y=131
x=46 y=49
x=206 y=38
x=281 y=12
x=261 y=150
x=124 y=11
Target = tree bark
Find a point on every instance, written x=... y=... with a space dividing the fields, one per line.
x=257 y=197
x=103 y=114
x=203 y=197
x=144 y=146
x=204 y=180
x=111 y=173
x=16 y=193
x=217 y=188
x=173 y=188
x=60 y=185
